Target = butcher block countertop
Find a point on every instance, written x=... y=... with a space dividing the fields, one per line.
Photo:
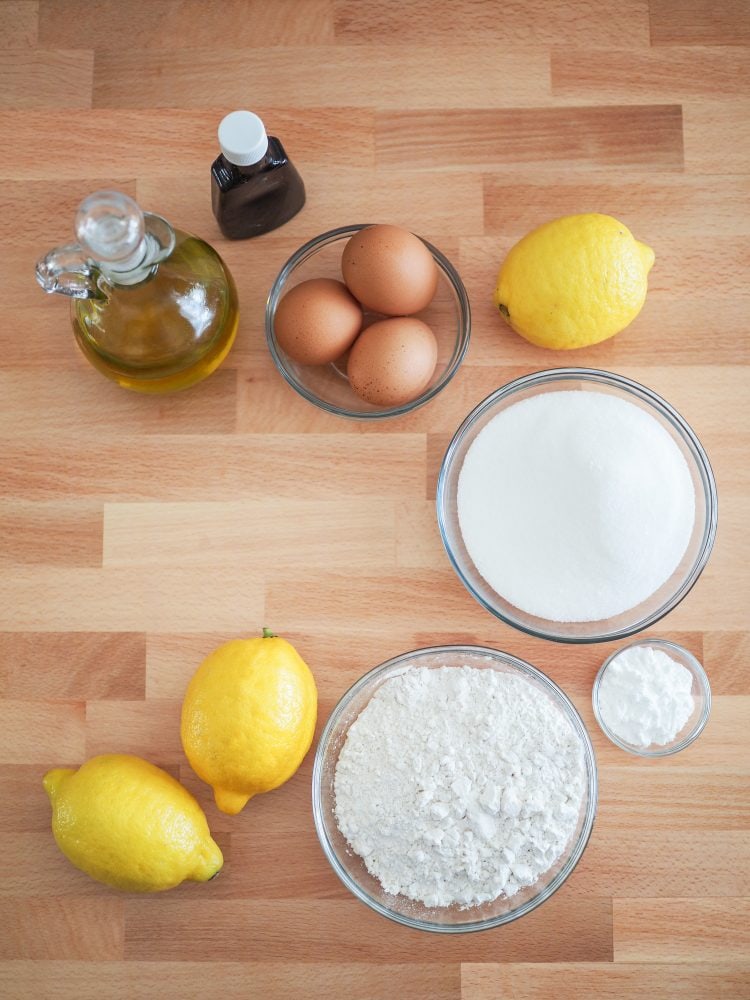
x=140 y=532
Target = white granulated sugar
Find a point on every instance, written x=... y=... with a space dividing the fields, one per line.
x=459 y=784
x=575 y=506
x=645 y=696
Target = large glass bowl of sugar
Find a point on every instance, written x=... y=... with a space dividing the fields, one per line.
x=577 y=505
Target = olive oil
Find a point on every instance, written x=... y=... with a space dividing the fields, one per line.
x=179 y=330
x=153 y=308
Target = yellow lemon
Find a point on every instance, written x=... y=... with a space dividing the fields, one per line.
x=248 y=718
x=574 y=281
x=129 y=824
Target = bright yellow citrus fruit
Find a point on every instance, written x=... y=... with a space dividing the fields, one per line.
x=248 y=718
x=574 y=281
x=127 y=823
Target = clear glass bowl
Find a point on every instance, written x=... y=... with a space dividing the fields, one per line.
x=661 y=602
x=351 y=869
x=701 y=692
x=448 y=316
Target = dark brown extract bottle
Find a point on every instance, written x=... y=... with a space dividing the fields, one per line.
x=254 y=185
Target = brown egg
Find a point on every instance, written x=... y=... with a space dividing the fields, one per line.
x=389 y=270
x=392 y=361
x=317 y=321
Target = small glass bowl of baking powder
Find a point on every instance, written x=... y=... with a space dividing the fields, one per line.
x=652 y=651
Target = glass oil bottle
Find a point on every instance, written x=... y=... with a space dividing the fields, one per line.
x=153 y=308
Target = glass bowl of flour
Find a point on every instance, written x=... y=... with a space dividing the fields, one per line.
x=577 y=505
x=454 y=788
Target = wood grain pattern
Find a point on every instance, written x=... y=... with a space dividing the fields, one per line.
x=699 y=22
x=177 y=24
x=652 y=931
x=40 y=731
x=645 y=136
x=136 y=534
x=622 y=74
x=81 y=666
x=19 y=23
x=41 y=78
x=596 y=981
x=75 y=538
x=233 y=980
x=522 y=21
x=717 y=137
x=62 y=927
x=305 y=76
x=177 y=928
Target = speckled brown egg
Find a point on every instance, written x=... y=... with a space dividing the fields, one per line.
x=317 y=321
x=389 y=270
x=392 y=361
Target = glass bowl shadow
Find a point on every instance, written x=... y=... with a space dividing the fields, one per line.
x=701 y=692
x=350 y=867
x=326 y=386
x=672 y=591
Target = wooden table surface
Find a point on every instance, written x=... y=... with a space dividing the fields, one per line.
x=138 y=533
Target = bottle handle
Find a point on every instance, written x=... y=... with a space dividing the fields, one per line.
x=69 y=271
x=118 y=244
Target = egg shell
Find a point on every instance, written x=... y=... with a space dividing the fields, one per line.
x=389 y=270
x=392 y=361
x=317 y=321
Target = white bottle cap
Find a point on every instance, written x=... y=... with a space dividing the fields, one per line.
x=242 y=138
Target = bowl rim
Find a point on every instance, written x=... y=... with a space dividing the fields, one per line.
x=592 y=787
x=664 y=409
x=697 y=670
x=459 y=350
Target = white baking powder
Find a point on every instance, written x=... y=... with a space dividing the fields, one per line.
x=575 y=506
x=645 y=696
x=459 y=784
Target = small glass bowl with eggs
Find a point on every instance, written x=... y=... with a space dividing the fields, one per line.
x=368 y=321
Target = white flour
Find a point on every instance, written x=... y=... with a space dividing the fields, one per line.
x=575 y=506
x=459 y=784
x=645 y=696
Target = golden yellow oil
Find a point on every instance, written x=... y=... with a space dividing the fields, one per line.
x=168 y=331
